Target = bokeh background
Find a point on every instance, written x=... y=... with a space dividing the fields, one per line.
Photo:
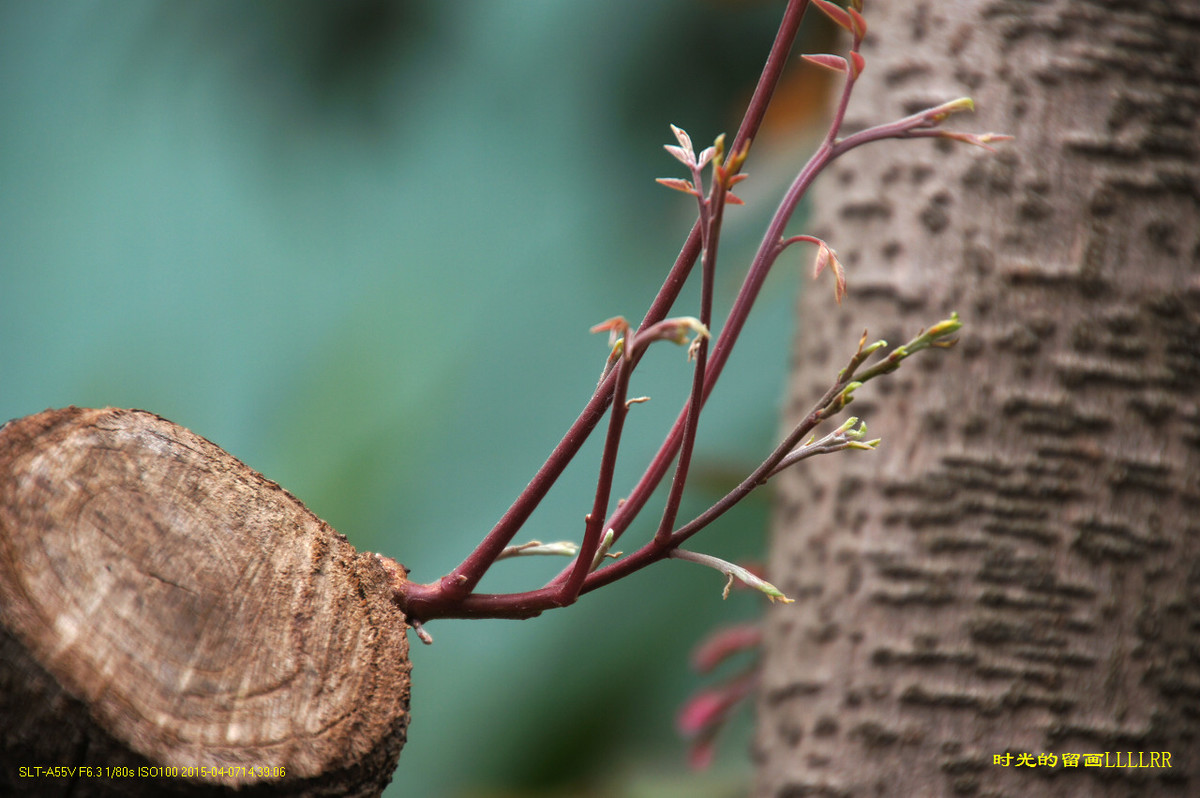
x=359 y=245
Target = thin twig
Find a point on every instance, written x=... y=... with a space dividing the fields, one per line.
x=608 y=462
x=712 y=211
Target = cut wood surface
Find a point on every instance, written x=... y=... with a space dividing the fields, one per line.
x=162 y=604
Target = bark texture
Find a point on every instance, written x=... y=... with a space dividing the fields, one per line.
x=162 y=604
x=1017 y=570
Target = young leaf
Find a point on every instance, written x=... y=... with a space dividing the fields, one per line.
x=724 y=644
x=834 y=62
x=857 y=23
x=836 y=13
x=857 y=64
x=827 y=257
x=732 y=572
x=679 y=184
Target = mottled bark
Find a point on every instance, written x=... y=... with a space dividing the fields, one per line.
x=1018 y=568
x=161 y=604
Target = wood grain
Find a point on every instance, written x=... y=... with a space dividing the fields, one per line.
x=161 y=603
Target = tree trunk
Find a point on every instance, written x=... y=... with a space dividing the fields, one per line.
x=1017 y=570
x=164 y=606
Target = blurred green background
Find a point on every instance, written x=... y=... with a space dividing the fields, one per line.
x=359 y=245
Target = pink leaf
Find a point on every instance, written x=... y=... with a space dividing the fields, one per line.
x=616 y=323
x=827 y=257
x=836 y=13
x=702 y=710
x=839 y=287
x=858 y=24
x=683 y=138
x=724 y=644
x=834 y=62
x=859 y=63
x=681 y=155
x=822 y=259
x=679 y=184
x=706 y=712
x=616 y=327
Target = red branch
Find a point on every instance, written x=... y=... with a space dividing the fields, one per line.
x=453 y=595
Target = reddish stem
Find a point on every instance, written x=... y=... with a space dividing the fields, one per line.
x=426 y=601
x=594 y=529
x=452 y=596
x=712 y=211
x=533 y=602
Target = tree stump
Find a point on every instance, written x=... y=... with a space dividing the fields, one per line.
x=162 y=605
